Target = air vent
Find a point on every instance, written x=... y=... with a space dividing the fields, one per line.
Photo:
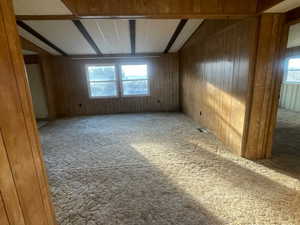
x=202 y=130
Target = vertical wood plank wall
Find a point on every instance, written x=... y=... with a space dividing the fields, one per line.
x=267 y=79
x=215 y=77
x=72 y=91
x=19 y=133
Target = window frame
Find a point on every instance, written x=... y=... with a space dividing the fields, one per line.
x=286 y=66
x=121 y=79
x=116 y=81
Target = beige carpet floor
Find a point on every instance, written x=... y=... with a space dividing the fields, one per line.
x=158 y=169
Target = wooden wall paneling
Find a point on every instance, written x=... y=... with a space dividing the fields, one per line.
x=215 y=73
x=10 y=211
x=72 y=94
x=163 y=8
x=46 y=63
x=17 y=120
x=3 y=215
x=266 y=86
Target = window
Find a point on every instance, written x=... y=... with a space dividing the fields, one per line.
x=135 y=80
x=102 y=81
x=293 y=72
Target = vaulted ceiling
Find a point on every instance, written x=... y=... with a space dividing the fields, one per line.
x=97 y=36
x=111 y=36
x=105 y=36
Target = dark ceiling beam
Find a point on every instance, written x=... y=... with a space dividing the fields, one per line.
x=112 y=56
x=87 y=36
x=132 y=29
x=40 y=37
x=175 y=35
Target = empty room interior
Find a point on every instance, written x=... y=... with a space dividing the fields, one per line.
x=153 y=112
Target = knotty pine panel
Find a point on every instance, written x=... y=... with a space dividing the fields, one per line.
x=72 y=96
x=215 y=76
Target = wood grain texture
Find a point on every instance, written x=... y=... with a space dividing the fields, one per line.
x=266 y=4
x=18 y=127
x=46 y=63
x=158 y=8
x=9 y=202
x=3 y=214
x=72 y=97
x=215 y=75
x=272 y=39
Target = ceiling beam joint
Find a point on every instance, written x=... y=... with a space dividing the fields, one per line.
x=40 y=37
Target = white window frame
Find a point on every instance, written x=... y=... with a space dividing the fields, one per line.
x=121 y=80
x=107 y=81
x=287 y=70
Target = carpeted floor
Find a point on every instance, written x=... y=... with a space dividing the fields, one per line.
x=158 y=169
x=286 y=148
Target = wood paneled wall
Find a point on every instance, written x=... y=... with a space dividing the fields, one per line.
x=23 y=180
x=267 y=79
x=71 y=90
x=216 y=67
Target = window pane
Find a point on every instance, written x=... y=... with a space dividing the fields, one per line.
x=101 y=73
x=135 y=87
x=103 y=89
x=293 y=70
x=134 y=72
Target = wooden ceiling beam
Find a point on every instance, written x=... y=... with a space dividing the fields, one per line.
x=293 y=16
x=175 y=35
x=40 y=37
x=132 y=29
x=87 y=36
x=163 y=8
x=47 y=17
x=264 y=5
x=129 y=17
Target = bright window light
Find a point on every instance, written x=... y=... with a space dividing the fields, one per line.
x=135 y=80
x=293 y=73
x=102 y=81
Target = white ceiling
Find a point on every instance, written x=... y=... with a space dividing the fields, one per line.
x=40 y=7
x=284 y=6
x=187 y=31
x=294 y=36
x=111 y=35
x=36 y=41
x=154 y=35
x=64 y=34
